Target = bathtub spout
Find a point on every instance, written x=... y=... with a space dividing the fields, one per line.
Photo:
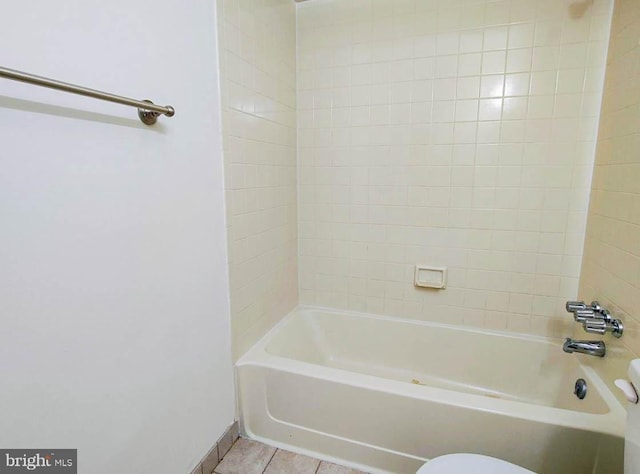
x=594 y=348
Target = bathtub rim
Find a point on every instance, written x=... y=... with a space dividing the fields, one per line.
x=610 y=423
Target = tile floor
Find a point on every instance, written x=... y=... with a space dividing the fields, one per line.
x=251 y=457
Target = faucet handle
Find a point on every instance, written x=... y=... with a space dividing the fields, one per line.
x=573 y=306
x=601 y=326
x=582 y=315
x=595 y=326
x=600 y=315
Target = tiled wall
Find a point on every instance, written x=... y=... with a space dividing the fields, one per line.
x=611 y=266
x=257 y=61
x=448 y=132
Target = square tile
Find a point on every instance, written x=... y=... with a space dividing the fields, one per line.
x=286 y=462
x=494 y=62
x=210 y=461
x=492 y=86
x=235 y=431
x=197 y=470
x=485 y=85
x=225 y=443
x=246 y=457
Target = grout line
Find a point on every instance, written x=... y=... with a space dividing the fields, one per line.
x=270 y=459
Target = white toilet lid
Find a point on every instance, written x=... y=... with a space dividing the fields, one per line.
x=467 y=463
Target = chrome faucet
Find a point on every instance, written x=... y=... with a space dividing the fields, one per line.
x=594 y=318
x=594 y=348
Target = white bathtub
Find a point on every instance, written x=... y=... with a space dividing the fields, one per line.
x=384 y=395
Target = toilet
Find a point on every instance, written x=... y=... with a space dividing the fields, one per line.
x=463 y=463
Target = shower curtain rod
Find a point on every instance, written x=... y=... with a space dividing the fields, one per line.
x=148 y=112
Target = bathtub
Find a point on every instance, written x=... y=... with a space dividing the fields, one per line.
x=384 y=395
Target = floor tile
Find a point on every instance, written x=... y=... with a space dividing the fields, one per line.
x=329 y=468
x=286 y=462
x=246 y=457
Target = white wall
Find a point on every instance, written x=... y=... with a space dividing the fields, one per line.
x=114 y=304
x=456 y=133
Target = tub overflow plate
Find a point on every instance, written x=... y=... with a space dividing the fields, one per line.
x=580 y=388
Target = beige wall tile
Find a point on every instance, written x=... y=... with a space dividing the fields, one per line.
x=257 y=62
x=611 y=264
x=459 y=134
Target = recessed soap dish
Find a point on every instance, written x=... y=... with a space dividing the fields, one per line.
x=430 y=277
